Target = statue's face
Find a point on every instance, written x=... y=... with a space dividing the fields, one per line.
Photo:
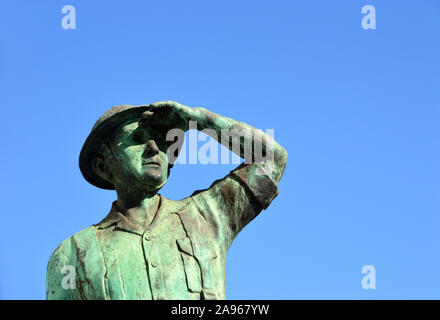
x=141 y=160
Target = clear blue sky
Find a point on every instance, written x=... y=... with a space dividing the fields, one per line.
x=357 y=110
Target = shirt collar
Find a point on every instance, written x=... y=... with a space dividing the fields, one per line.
x=119 y=221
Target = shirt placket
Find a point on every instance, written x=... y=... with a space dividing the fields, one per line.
x=153 y=264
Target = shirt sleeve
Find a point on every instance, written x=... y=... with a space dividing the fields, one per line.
x=61 y=264
x=236 y=199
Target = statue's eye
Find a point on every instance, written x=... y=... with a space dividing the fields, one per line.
x=138 y=137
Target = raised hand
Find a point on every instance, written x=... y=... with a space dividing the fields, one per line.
x=169 y=114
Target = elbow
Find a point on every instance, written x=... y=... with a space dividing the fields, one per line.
x=279 y=161
x=281 y=158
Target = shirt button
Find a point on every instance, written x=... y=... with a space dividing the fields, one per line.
x=147 y=237
x=154 y=264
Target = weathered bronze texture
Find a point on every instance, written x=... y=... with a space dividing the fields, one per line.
x=150 y=247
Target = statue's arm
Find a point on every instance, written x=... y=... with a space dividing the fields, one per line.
x=61 y=264
x=229 y=132
x=232 y=202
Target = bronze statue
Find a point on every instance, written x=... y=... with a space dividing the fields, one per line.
x=150 y=247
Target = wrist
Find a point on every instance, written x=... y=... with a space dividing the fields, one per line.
x=197 y=114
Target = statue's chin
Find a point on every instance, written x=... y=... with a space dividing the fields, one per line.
x=155 y=183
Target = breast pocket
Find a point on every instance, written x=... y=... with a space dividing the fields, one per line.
x=204 y=254
x=190 y=264
x=208 y=262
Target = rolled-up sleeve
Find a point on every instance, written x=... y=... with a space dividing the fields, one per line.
x=232 y=202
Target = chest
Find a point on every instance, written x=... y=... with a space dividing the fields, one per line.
x=163 y=263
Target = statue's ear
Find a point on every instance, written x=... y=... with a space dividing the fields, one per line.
x=101 y=168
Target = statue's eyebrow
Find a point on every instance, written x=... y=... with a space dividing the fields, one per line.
x=130 y=131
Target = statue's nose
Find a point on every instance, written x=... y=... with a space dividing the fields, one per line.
x=151 y=148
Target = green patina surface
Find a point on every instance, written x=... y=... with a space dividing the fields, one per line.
x=150 y=247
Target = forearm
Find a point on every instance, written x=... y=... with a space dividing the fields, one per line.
x=244 y=140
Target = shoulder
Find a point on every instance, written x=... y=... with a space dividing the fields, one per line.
x=175 y=206
x=67 y=248
x=66 y=253
x=62 y=262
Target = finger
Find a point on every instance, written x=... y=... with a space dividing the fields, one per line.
x=159 y=104
x=147 y=114
x=167 y=104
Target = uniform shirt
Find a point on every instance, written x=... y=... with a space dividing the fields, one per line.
x=181 y=255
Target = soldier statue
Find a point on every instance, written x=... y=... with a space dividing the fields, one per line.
x=150 y=247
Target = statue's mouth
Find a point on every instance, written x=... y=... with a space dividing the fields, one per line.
x=150 y=163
